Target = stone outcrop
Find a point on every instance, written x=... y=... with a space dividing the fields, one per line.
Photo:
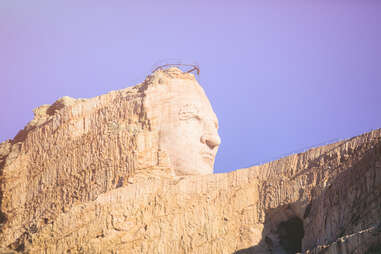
x=365 y=241
x=90 y=176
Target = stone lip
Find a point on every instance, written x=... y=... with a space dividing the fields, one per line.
x=86 y=175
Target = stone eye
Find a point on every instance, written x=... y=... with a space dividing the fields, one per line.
x=188 y=115
x=188 y=111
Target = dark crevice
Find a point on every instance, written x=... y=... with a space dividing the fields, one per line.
x=120 y=182
x=374 y=249
x=308 y=210
x=19 y=244
x=291 y=233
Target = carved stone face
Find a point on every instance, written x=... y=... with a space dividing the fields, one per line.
x=188 y=132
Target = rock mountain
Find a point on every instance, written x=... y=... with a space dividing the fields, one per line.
x=130 y=172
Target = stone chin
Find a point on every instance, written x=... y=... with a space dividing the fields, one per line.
x=201 y=170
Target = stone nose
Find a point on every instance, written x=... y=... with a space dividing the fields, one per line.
x=211 y=140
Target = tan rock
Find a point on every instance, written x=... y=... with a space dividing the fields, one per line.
x=107 y=175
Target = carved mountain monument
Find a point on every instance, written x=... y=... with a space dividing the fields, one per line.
x=131 y=172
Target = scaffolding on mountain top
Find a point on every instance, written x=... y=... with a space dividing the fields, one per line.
x=194 y=67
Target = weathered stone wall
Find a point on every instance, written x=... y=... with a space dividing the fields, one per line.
x=71 y=152
x=226 y=213
x=87 y=176
x=366 y=241
x=339 y=185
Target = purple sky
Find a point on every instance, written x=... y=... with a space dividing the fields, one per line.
x=281 y=77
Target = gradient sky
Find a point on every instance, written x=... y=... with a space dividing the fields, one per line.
x=281 y=75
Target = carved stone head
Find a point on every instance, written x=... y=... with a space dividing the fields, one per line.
x=188 y=125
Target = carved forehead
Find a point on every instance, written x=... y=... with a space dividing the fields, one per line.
x=200 y=110
x=178 y=97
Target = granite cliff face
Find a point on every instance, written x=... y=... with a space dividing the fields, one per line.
x=95 y=176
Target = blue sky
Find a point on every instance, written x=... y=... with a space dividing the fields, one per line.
x=281 y=75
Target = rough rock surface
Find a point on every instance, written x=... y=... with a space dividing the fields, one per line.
x=88 y=176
